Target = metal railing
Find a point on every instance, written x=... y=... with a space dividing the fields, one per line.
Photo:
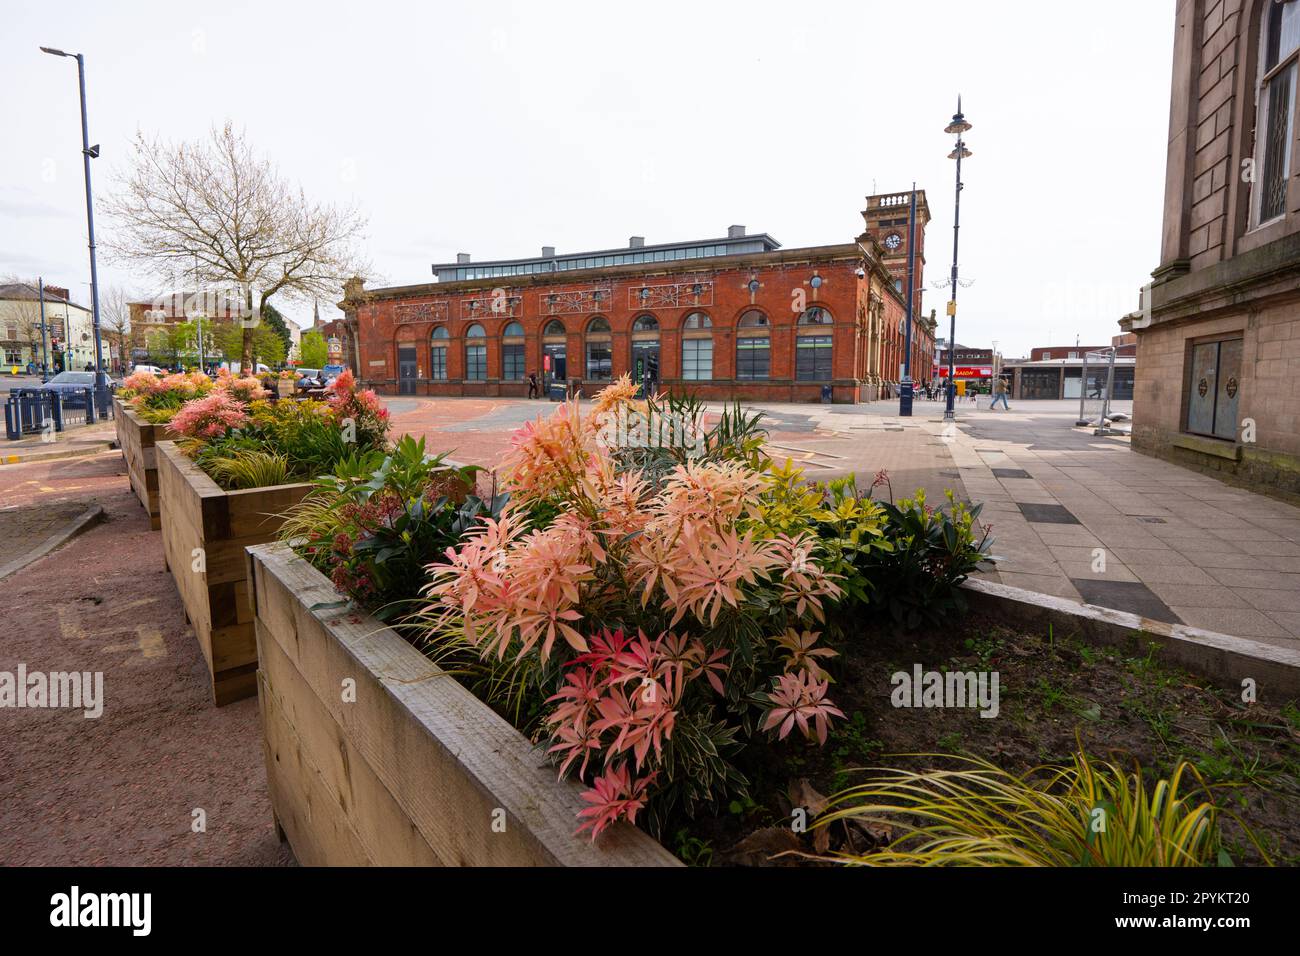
x=36 y=411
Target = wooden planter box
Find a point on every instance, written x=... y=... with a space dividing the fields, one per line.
x=137 y=439
x=375 y=756
x=206 y=527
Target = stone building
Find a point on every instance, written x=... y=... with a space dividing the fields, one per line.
x=69 y=341
x=1218 y=356
x=730 y=317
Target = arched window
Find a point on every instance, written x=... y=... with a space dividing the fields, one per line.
x=438 y=353
x=1275 y=96
x=475 y=354
x=554 y=330
x=815 y=316
x=512 y=352
x=813 y=346
x=753 y=346
x=645 y=349
x=600 y=355
x=697 y=348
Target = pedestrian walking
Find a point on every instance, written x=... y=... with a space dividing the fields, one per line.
x=999 y=394
x=534 y=390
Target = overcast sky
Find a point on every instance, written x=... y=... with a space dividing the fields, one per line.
x=497 y=128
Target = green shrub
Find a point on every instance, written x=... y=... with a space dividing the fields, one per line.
x=377 y=520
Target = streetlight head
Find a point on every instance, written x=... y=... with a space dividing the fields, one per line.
x=965 y=153
x=958 y=125
x=54 y=52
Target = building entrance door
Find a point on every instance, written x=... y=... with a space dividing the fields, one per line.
x=645 y=362
x=558 y=366
x=407 y=370
x=1213 y=389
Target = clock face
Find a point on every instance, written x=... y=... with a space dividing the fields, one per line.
x=893 y=241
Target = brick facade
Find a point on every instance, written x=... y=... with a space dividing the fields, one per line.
x=1218 y=354
x=840 y=299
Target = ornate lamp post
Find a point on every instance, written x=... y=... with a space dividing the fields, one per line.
x=960 y=152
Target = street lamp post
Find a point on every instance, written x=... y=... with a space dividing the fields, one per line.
x=45 y=361
x=906 y=389
x=88 y=153
x=960 y=152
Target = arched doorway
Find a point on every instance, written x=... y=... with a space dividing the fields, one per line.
x=555 y=344
x=645 y=351
x=408 y=362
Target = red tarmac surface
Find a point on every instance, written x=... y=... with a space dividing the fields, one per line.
x=120 y=789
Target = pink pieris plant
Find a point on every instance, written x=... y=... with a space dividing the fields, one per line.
x=245 y=390
x=625 y=600
x=210 y=417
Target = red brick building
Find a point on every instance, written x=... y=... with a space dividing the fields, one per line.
x=735 y=317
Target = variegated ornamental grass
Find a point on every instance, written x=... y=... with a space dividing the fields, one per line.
x=1086 y=813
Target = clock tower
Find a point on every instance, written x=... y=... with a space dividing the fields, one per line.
x=886 y=224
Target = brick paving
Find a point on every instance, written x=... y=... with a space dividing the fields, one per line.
x=1174 y=544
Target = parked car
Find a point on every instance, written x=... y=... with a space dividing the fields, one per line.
x=72 y=386
x=148 y=368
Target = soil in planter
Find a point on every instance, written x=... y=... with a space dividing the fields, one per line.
x=1121 y=704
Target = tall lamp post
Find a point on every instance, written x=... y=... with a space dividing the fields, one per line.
x=905 y=387
x=88 y=153
x=960 y=152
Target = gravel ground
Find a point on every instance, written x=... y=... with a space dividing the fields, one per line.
x=123 y=788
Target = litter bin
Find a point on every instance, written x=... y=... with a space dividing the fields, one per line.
x=827 y=394
x=555 y=392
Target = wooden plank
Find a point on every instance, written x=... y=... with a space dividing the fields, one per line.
x=136 y=439
x=451 y=764
x=357 y=794
x=316 y=827
x=196 y=513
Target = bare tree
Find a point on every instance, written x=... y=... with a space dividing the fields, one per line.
x=214 y=211
x=115 y=318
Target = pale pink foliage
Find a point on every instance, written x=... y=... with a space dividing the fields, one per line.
x=798 y=699
x=209 y=417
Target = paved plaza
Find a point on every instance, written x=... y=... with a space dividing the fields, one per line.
x=1073 y=514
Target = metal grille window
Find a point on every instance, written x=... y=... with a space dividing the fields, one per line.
x=600 y=356
x=813 y=358
x=753 y=358
x=512 y=362
x=697 y=359
x=600 y=361
x=512 y=352
x=476 y=363
x=475 y=354
x=1275 y=94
